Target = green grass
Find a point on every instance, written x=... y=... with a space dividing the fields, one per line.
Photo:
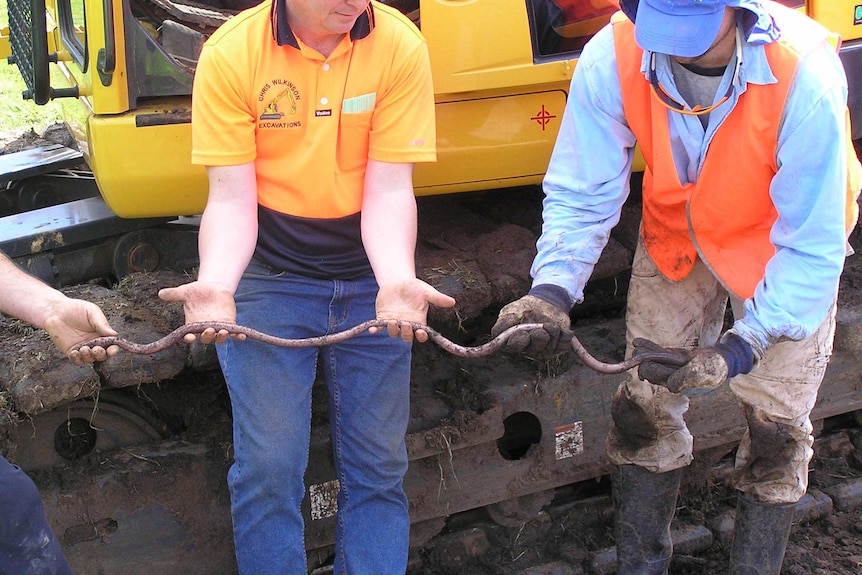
x=17 y=114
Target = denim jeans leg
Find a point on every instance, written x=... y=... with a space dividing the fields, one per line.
x=369 y=387
x=28 y=546
x=270 y=390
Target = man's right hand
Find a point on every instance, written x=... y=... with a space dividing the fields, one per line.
x=204 y=302
x=531 y=309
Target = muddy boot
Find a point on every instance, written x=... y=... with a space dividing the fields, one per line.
x=644 y=504
x=760 y=536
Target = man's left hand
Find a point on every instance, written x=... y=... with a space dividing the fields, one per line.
x=709 y=367
x=408 y=301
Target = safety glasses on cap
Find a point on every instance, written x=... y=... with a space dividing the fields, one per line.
x=673 y=105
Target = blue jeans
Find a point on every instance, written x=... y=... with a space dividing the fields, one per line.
x=270 y=389
x=27 y=543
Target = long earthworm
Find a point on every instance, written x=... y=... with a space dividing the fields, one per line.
x=668 y=358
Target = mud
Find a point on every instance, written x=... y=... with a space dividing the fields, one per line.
x=36 y=377
x=481 y=256
x=573 y=534
x=16 y=141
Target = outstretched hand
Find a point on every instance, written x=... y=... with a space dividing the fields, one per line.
x=74 y=321
x=203 y=302
x=408 y=301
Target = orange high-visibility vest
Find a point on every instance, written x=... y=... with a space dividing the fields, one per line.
x=728 y=213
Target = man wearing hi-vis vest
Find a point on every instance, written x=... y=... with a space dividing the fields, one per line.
x=749 y=193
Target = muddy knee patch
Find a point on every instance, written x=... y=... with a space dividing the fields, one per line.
x=634 y=426
x=774 y=449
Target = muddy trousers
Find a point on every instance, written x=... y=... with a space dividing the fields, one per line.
x=648 y=429
x=644 y=504
x=759 y=536
x=648 y=425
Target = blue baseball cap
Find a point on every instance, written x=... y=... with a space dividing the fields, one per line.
x=685 y=28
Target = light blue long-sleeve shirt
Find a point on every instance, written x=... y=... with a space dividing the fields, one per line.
x=587 y=181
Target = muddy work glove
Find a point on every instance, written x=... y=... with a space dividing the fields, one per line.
x=707 y=369
x=532 y=309
x=653 y=371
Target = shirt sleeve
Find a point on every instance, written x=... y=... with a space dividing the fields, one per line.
x=587 y=181
x=223 y=123
x=403 y=125
x=800 y=284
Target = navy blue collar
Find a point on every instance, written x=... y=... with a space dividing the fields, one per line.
x=283 y=35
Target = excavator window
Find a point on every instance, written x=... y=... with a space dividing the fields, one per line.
x=73 y=30
x=562 y=27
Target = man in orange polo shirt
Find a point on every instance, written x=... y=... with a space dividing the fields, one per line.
x=309 y=116
x=740 y=110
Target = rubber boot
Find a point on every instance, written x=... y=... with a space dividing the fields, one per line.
x=760 y=536
x=644 y=504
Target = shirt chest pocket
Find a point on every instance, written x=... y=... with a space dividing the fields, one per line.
x=354 y=132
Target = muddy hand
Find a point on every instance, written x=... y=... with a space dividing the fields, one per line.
x=704 y=370
x=531 y=309
x=710 y=367
x=667 y=358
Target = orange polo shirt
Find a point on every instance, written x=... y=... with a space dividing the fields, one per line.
x=310 y=124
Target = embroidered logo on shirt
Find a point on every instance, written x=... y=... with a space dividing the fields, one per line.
x=281 y=97
x=359 y=104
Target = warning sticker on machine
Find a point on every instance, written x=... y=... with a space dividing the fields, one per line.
x=324 y=499
x=569 y=440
